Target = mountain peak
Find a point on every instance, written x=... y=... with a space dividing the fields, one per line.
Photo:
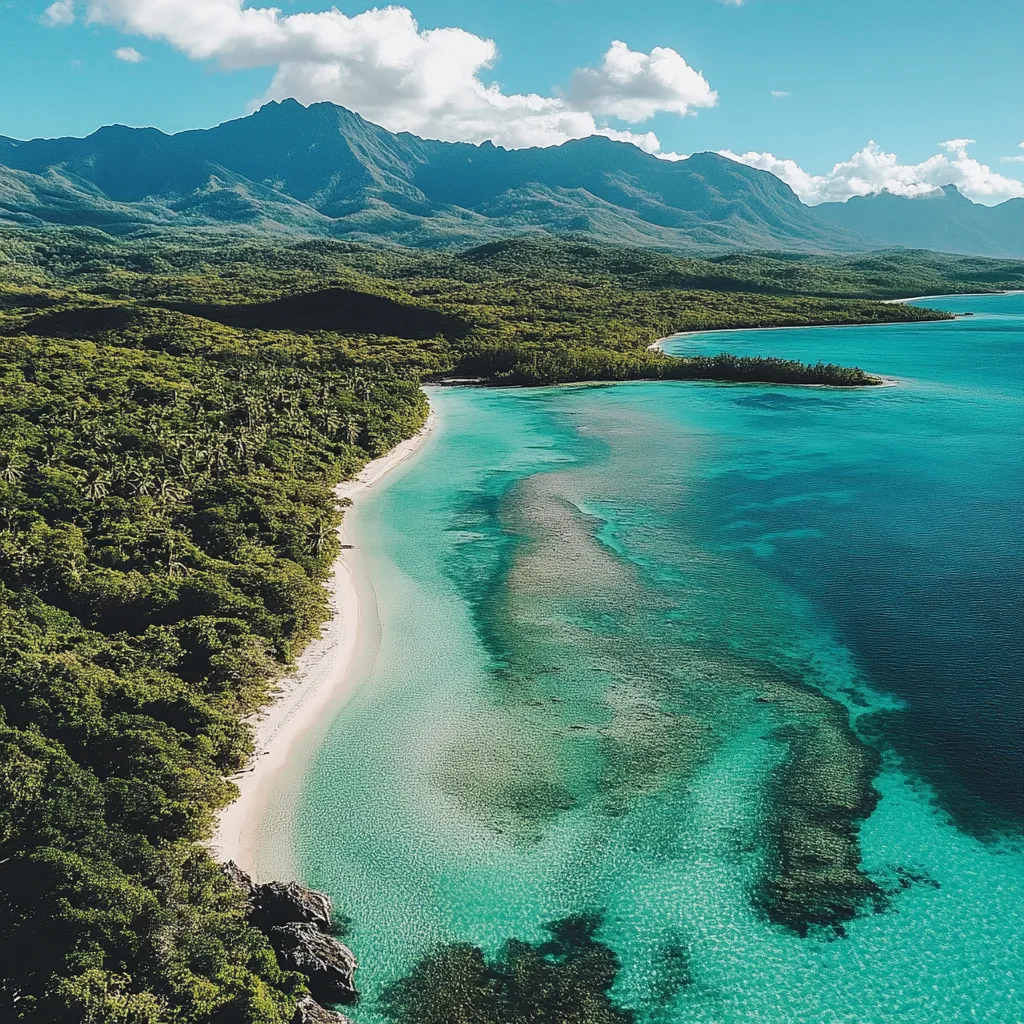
x=122 y=133
x=944 y=220
x=323 y=169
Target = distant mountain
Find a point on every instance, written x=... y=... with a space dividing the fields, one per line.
x=946 y=222
x=325 y=170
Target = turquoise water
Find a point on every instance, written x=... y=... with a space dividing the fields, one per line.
x=734 y=668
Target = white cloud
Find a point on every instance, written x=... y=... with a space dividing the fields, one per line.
x=1015 y=159
x=873 y=170
x=62 y=12
x=381 y=64
x=779 y=94
x=129 y=55
x=635 y=86
x=958 y=147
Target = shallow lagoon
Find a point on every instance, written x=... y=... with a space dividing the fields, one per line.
x=633 y=639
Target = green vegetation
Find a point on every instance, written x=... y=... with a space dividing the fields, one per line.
x=167 y=520
x=324 y=170
x=529 y=311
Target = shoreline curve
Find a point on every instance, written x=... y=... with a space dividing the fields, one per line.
x=322 y=681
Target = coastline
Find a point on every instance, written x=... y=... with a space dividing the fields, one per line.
x=953 y=295
x=307 y=699
x=886 y=381
x=795 y=327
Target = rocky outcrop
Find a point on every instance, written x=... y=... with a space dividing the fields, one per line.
x=309 y=1011
x=240 y=878
x=297 y=921
x=329 y=965
x=279 y=903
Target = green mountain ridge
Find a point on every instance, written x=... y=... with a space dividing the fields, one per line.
x=324 y=170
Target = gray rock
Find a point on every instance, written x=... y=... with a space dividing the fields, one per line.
x=240 y=878
x=309 y=1011
x=329 y=965
x=280 y=903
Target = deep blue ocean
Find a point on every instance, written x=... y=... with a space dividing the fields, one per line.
x=902 y=517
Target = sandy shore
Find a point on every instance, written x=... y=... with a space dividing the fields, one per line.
x=307 y=700
x=786 y=327
x=954 y=295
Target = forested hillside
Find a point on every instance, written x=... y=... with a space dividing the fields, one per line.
x=324 y=170
x=174 y=413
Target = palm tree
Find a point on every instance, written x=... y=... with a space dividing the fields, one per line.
x=218 y=459
x=358 y=385
x=240 y=448
x=184 y=455
x=353 y=430
x=68 y=565
x=97 y=485
x=328 y=422
x=173 y=565
x=142 y=482
x=318 y=537
x=48 y=450
x=279 y=397
x=254 y=407
x=166 y=488
x=11 y=467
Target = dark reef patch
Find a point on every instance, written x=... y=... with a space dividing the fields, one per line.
x=899 y=879
x=821 y=794
x=566 y=979
x=671 y=970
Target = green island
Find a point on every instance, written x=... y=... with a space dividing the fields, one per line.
x=176 y=409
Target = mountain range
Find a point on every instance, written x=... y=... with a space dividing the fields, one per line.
x=945 y=221
x=325 y=170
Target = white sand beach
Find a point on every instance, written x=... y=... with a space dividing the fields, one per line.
x=954 y=295
x=307 y=700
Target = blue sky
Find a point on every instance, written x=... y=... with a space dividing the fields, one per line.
x=908 y=75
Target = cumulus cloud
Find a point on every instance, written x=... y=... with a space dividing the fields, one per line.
x=381 y=64
x=1015 y=159
x=779 y=94
x=62 y=12
x=958 y=147
x=635 y=86
x=129 y=55
x=873 y=170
